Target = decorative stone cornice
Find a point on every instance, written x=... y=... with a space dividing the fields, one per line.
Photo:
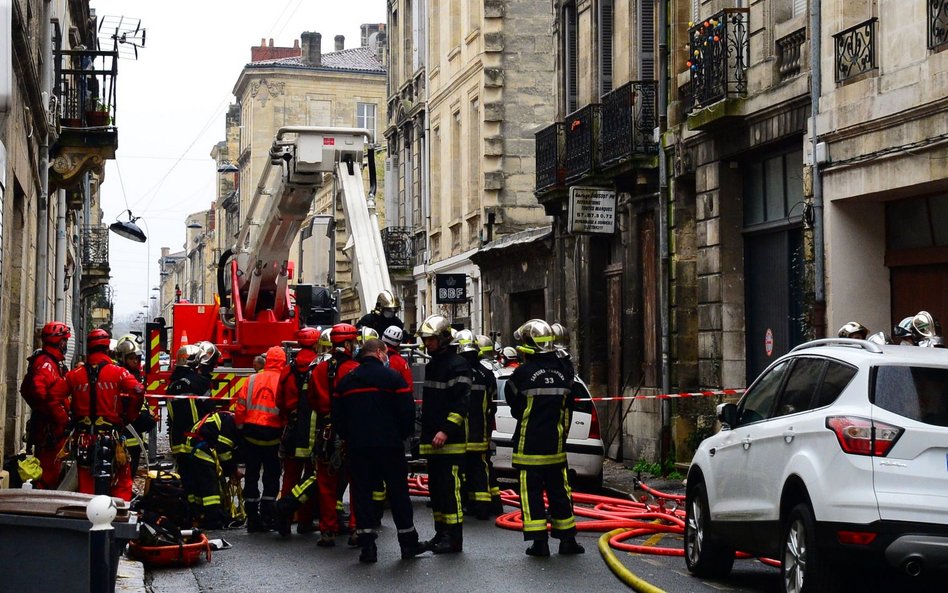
x=69 y=165
x=274 y=89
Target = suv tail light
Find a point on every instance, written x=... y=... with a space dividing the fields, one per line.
x=594 y=423
x=862 y=436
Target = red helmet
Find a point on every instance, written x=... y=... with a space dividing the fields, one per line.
x=307 y=337
x=98 y=338
x=342 y=333
x=55 y=332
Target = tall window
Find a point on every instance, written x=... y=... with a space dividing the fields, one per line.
x=647 y=41
x=473 y=14
x=410 y=57
x=365 y=117
x=454 y=166
x=454 y=19
x=474 y=155
x=606 y=35
x=570 y=58
x=436 y=173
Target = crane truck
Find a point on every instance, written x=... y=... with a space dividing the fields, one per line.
x=256 y=306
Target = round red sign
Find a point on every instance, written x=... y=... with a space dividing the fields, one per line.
x=769 y=342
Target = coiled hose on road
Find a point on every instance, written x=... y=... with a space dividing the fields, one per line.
x=618 y=519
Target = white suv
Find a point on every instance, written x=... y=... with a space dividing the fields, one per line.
x=837 y=452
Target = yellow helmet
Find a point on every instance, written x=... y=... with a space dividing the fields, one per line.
x=325 y=341
x=436 y=326
x=536 y=336
x=386 y=300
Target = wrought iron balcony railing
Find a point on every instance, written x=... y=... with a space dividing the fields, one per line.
x=628 y=121
x=95 y=247
x=85 y=86
x=399 y=246
x=550 y=150
x=855 y=50
x=581 y=129
x=719 y=57
x=937 y=23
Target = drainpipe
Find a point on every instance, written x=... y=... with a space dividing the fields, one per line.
x=663 y=203
x=61 y=254
x=42 y=208
x=816 y=90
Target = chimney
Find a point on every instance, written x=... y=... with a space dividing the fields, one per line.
x=340 y=42
x=271 y=42
x=312 y=49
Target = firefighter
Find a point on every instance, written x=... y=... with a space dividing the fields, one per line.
x=46 y=430
x=487 y=353
x=105 y=397
x=539 y=393
x=443 y=439
x=325 y=483
x=299 y=436
x=258 y=420
x=374 y=412
x=481 y=409
x=509 y=357
x=392 y=337
x=129 y=357
x=184 y=412
x=383 y=315
x=212 y=447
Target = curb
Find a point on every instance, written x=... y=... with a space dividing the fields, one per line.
x=619 y=569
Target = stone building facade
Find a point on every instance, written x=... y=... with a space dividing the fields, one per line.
x=471 y=85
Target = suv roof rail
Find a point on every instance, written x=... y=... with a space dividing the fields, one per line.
x=864 y=344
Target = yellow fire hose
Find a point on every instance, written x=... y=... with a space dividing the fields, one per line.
x=619 y=569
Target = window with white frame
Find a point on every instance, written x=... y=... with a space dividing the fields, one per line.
x=365 y=117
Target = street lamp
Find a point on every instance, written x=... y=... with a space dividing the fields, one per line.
x=227 y=167
x=195 y=225
x=128 y=229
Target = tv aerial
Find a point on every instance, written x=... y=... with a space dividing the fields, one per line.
x=124 y=34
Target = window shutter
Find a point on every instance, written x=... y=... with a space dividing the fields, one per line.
x=799 y=7
x=647 y=39
x=606 y=42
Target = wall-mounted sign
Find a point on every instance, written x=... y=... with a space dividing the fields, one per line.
x=769 y=342
x=450 y=288
x=592 y=210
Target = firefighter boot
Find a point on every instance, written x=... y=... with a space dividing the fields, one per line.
x=268 y=514
x=369 y=553
x=539 y=548
x=254 y=524
x=285 y=508
x=440 y=529
x=569 y=546
x=451 y=541
x=411 y=547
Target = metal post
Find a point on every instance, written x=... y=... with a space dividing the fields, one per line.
x=101 y=512
x=663 y=205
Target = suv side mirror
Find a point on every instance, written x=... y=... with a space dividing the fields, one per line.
x=727 y=414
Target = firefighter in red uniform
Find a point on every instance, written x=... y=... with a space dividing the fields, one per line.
x=50 y=411
x=105 y=397
x=393 y=338
x=258 y=418
x=299 y=436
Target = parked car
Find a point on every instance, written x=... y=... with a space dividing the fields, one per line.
x=836 y=454
x=584 y=448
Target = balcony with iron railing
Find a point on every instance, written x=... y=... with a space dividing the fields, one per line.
x=398 y=243
x=855 y=50
x=550 y=150
x=95 y=257
x=937 y=24
x=86 y=96
x=718 y=57
x=628 y=122
x=581 y=130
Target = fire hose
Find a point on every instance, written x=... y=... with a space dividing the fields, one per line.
x=618 y=519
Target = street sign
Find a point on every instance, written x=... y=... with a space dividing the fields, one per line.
x=769 y=342
x=450 y=288
x=592 y=210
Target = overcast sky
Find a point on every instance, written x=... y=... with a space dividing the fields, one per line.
x=171 y=105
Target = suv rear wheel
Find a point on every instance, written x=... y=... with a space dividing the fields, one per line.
x=704 y=555
x=803 y=569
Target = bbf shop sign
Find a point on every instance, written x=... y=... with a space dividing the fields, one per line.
x=592 y=210
x=450 y=288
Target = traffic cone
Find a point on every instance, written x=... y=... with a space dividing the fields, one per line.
x=184 y=338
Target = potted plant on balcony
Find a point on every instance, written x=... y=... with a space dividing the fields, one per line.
x=98 y=115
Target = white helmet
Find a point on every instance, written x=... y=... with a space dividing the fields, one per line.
x=393 y=335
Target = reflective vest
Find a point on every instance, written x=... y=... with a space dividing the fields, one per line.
x=257 y=400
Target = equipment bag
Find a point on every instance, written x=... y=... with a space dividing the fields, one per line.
x=166 y=497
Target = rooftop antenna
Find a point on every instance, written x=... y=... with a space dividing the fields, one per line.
x=124 y=34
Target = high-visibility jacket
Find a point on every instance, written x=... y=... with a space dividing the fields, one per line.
x=444 y=403
x=184 y=413
x=113 y=384
x=293 y=399
x=481 y=406
x=539 y=393
x=50 y=406
x=256 y=403
x=398 y=364
x=215 y=439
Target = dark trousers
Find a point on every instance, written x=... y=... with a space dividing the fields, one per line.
x=477 y=478
x=533 y=482
x=372 y=465
x=444 y=486
x=261 y=451
x=205 y=481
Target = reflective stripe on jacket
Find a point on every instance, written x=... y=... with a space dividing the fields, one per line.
x=539 y=393
x=445 y=403
x=257 y=399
